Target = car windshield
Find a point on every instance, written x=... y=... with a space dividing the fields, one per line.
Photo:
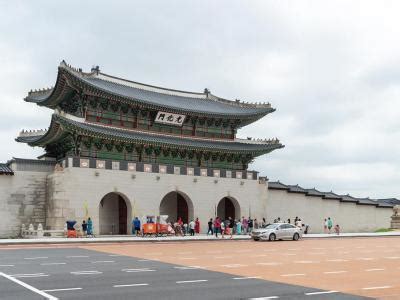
x=271 y=226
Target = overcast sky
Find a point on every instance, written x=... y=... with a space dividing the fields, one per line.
x=330 y=68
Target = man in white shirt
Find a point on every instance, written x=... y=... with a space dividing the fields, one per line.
x=191 y=227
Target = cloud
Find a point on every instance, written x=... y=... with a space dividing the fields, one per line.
x=330 y=69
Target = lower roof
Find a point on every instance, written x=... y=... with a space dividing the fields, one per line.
x=5 y=169
x=61 y=125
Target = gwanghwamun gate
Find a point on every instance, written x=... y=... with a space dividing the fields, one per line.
x=116 y=149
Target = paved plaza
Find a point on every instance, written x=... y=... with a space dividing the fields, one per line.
x=355 y=268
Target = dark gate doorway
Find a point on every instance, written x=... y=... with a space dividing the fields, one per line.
x=228 y=207
x=114 y=214
x=176 y=205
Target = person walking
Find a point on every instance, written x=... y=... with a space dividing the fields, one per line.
x=223 y=229
x=192 y=226
x=238 y=227
x=337 y=229
x=217 y=226
x=210 y=227
x=90 y=227
x=197 y=226
x=244 y=225
x=231 y=225
x=84 y=228
x=256 y=225
x=330 y=224
x=325 y=226
x=250 y=225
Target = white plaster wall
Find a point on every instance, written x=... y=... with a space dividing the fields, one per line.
x=71 y=187
x=313 y=210
x=22 y=200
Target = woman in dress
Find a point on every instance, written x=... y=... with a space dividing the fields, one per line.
x=238 y=227
x=197 y=226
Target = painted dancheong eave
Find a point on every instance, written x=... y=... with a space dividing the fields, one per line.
x=71 y=80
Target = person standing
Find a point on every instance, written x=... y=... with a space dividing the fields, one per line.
x=223 y=229
x=192 y=226
x=210 y=227
x=256 y=225
x=330 y=224
x=136 y=226
x=325 y=226
x=197 y=226
x=337 y=229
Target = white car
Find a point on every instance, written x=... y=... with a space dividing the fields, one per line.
x=277 y=231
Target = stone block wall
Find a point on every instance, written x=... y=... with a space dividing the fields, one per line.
x=351 y=217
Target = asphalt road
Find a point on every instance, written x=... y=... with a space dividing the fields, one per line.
x=76 y=273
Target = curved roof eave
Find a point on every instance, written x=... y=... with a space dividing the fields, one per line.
x=204 y=106
x=60 y=123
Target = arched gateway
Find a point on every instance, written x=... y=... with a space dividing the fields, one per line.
x=175 y=205
x=114 y=214
x=228 y=207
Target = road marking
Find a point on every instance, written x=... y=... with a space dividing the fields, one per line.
x=52 y=264
x=29 y=287
x=38 y=257
x=234 y=266
x=317 y=253
x=59 y=290
x=127 y=285
x=290 y=254
x=30 y=276
x=86 y=272
x=137 y=270
x=335 y=272
x=360 y=247
x=218 y=257
x=372 y=270
x=248 y=277
x=306 y=262
x=187 y=258
x=337 y=260
x=365 y=258
x=291 y=275
x=115 y=255
x=144 y=260
x=189 y=268
x=377 y=287
x=262 y=298
x=344 y=252
x=293 y=249
x=259 y=255
x=6 y=265
x=392 y=257
x=77 y=256
x=103 y=261
x=268 y=263
x=187 y=252
x=269 y=250
x=214 y=252
x=192 y=281
x=320 y=293
x=155 y=253
x=318 y=248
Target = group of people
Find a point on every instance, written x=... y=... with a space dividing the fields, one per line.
x=232 y=226
x=328 y=225
x=182 y=228
x=296 y=222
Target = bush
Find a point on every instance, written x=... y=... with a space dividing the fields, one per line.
x=383 y=230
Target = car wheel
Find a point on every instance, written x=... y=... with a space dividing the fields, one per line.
x=272 y=237
x=256 y=239
x=296 y=237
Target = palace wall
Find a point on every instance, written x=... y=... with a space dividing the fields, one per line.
x=23 y=197
x=313 y=210
x=69 y=189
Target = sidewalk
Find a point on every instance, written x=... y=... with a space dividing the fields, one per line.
x=200 y=237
